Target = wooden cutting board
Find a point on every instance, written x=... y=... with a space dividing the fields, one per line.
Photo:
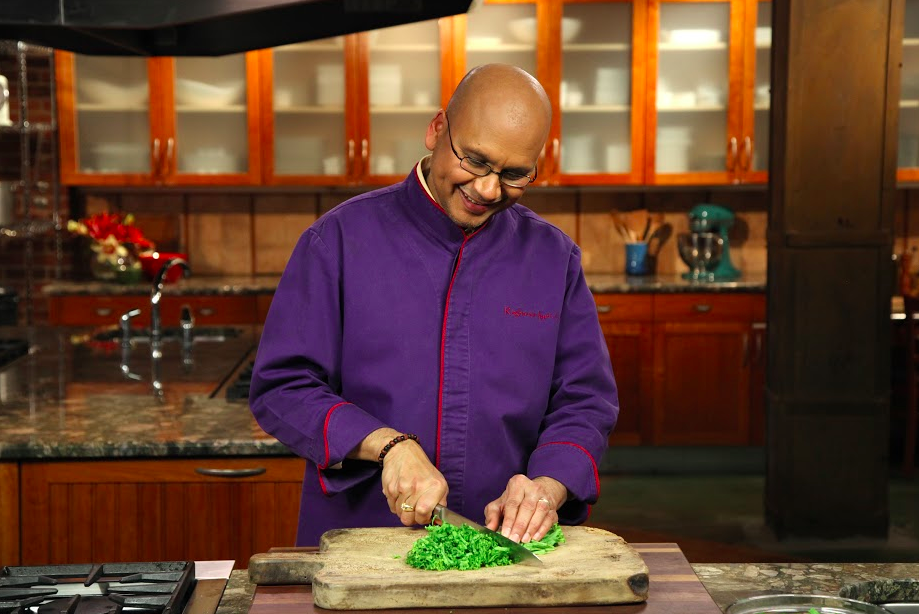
x=675 y=589
x=365 y=569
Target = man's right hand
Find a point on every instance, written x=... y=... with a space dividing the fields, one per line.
x=409 y=477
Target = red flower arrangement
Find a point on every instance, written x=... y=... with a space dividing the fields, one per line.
x=117 y=243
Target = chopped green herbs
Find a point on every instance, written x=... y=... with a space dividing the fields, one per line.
x=450 y=547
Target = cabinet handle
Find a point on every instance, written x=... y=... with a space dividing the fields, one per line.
x=207 y=311
x=350 y=156
x=170 y=151
x=604 y=308
x=758 y=347
x=556 y=150
x=701 y=307
x=155 y=157
x=746 y=349
x=230 y=473
x=747 y=158
x=732 y=154
x=103 y=311
x=365 y=149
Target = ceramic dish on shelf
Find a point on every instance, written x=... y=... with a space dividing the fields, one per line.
x=694 y=36
x=792 y=604
x=199 y=93
x=524 y=29
x=120 y=157
x=209 y=160
x=100 y=91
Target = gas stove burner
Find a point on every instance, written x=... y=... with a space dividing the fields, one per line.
x=239 y=389
x=11 y=349
x=110 y=588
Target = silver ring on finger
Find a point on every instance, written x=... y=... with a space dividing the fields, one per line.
x=407 y=508
x=546 y=501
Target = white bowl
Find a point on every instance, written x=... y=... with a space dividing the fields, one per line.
x=524 y=29
x=100 y=91
x=120 y=157
x=571 y=27
x=210 y=160
x=199 y=93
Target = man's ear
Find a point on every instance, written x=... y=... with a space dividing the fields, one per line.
x=436 y=129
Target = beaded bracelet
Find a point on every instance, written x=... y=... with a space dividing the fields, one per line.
x=394 y=441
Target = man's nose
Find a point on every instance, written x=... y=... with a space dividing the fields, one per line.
x=489 y=187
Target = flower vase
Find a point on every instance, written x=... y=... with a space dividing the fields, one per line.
x=115 y=269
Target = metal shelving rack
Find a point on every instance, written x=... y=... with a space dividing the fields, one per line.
x=31 y=191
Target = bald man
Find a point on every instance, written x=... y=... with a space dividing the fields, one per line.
x=436 y=342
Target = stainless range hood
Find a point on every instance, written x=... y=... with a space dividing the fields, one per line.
x=202 y=27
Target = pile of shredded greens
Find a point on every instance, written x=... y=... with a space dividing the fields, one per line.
x=450 y=547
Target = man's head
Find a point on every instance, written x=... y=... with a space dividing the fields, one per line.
x=498 y=116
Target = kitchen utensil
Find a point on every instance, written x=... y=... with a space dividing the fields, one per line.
x=823 y=604
x=365 y=569
x=701 y=251
x=518 y=553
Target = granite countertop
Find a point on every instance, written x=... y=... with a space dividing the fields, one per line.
x=599 y=284
x=725 y=582
x=69 y=398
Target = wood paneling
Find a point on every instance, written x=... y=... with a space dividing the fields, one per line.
x=279 y=220
x=101 y=511
x=9 y=513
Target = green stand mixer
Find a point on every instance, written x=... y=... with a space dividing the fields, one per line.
x=709 y=225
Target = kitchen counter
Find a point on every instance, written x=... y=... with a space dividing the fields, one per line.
x=599 y=284
x=69 y=399
x=724 y=582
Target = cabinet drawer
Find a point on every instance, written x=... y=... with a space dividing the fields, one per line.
x=702 y=306
x=95 y=310
x=623 y=307
x=211 y=309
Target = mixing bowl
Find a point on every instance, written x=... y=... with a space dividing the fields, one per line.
x=701 y=251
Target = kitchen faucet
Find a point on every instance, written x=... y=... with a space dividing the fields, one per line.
x=156 y=294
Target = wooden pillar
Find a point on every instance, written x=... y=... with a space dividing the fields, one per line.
x=832 y=175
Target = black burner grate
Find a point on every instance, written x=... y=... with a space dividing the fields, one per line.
x=239 y=389
x=110 y=588
x=11 y=349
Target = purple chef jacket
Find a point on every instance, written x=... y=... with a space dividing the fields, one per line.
x=486 y=346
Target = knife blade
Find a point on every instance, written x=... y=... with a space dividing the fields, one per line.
x=517 y=552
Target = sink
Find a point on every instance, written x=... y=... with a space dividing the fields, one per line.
x=200 y=334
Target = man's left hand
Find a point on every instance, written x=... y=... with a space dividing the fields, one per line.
x=527 y=509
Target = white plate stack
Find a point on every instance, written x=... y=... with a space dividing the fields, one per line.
x=672 y=154
x=612 y=86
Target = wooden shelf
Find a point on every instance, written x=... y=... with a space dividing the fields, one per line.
x=692 y=109
x=95 y=107
x=591 y=47
x=598 y=108
x=310 y=109
x=192 y=108
x=398 y=110
x=696 y=47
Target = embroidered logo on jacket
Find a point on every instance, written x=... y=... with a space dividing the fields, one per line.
x=523 y=313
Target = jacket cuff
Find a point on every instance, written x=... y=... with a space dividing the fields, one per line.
x=345 y=427
x=573 y=466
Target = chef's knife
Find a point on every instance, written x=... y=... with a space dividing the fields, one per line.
x=518 y=553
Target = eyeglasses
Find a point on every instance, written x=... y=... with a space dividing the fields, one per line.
x=482 y=169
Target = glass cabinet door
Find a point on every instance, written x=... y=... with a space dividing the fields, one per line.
x=309 y=98
x=692 y=87
x=503 y=33
x=908 y=141
x=404 y=94
x=211 y=117
x=761 y=88
x=112 y=113
x=595 y=94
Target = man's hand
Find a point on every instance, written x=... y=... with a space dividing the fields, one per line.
x=409 y=478
x=527 y=509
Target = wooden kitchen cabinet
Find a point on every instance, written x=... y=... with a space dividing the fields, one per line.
x=9 y=513
x=626 y=321
x=353 y=109
x=708 y=78
x=690 y=368
x=102 y=310
x=153 y=510
x=702 y=368
x=174 y=121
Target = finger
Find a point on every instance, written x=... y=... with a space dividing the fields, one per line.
x=547 y=524
x=527 y=514
x=493 y=515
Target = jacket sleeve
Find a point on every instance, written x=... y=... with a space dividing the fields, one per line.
x=583 y=402
x=296 y=385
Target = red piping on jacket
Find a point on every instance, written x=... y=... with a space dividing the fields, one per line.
x=325 y=437
x=581 y=448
